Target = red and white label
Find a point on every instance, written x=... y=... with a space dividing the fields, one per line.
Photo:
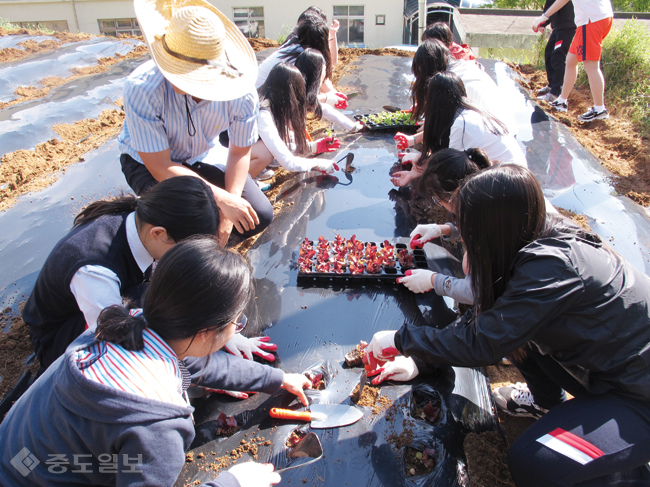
x=558 y=44
x=571 y=446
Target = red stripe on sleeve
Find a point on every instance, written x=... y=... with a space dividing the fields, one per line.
x=576 y=442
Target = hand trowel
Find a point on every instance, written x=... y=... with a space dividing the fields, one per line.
x=322 y=415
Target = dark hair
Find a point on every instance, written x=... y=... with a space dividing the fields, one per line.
x=311 y=14
x=500 y=210
x=182 y=205
x=431 y=57
x=439 y=31
x=446 y=170
x=446 y=96
x=310 y=33
x=197 y=286
x=283 y=93
x=310 y=63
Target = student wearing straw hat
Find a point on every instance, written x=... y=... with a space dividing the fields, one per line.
x=200 y=82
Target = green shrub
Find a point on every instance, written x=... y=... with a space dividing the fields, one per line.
x=625 y=64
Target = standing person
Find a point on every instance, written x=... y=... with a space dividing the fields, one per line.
x=557 y=48
x=199 y=84
x=577 y=312
x=594 y=21
x=118 y=395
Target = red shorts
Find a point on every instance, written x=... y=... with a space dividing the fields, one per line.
x=587 y=44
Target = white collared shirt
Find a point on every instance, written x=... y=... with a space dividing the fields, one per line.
x=591 y=11
x=96 y=287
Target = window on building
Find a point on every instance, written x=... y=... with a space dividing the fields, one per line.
x=250 y=21
x=115 y=27
x=351 y=19
x=55 y=25
x=380 y=20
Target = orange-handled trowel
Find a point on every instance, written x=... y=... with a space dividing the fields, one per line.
x=322 y=415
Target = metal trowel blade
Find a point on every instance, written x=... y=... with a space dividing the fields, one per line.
x=362 y=382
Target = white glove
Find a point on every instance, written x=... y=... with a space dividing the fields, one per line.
x=358 y=127
x=401 y=369
x=252 y=474
x=324 y=166
x=423 y=233
x=411 y=157
x=537 y=23
x=418 y=280
x=381 y=348
x=240 y=346
x=334 y=98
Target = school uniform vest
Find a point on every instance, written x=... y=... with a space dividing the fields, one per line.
x=102 y=242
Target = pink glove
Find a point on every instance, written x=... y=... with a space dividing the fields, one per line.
x=240 y=346
x=381 y=349
x=424 y=233
x=401 y=369
x=417 y=280
x=411 y=157
x=235 y=394
x=326 y=144
x=343 y=101
x=404 y=141
x=537 y=23
x=336 y=99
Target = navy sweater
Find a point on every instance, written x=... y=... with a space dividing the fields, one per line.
x=64 y=413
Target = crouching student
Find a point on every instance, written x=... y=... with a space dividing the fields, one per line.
x=120 y=392
x=444 y=173
x=283 y=128
x=577 y=314
x=199 y=84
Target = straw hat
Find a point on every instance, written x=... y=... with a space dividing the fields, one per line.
x=197 y=48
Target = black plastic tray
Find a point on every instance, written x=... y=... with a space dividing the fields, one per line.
x=383 y=126
x=386 y=274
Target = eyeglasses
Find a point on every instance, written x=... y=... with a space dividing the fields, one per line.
x=240 y=323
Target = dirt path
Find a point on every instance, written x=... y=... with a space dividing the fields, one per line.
x=616 y=141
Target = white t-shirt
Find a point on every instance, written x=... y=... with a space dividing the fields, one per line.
x=269 y=63
x=483 y=92
x=591 y=11
x=469 y=132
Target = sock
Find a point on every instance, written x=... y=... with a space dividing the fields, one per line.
x=599 y=108
x=560 y=99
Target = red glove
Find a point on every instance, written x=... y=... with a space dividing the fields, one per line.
x=235 y=394
x=404 y=141
x=343 y=101
x=326 y=144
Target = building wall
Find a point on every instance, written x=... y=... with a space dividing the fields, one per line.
x=279 y=17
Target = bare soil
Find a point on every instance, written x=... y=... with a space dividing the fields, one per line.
x=15 y=348
x=617 y=142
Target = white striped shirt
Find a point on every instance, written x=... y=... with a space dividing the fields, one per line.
x=152 y=372
x=156 y=119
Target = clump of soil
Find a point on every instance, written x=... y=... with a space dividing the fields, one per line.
x=580 y=219
x=486 y=460
x=15 y=348
x=245 y=446
x=23 y=171
x=429 y=412
x=370 y=398
x=418 y=462
x=617 y=142
x=260 y=43
x=354 y=358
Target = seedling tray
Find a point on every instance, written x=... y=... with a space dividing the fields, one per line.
x=308 y=266
x=392 y=125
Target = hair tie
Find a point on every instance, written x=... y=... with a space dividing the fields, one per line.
x=137 y=313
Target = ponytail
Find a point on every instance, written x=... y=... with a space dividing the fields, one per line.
x=310 y=63
x=116 y=325
x=182 y=205
x=478 y=157
x=121 y=204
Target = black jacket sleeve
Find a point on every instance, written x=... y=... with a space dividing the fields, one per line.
x=540 y=289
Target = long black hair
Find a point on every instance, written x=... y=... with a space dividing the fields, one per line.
x=440 y=31
x=283 y=93
x=430 y=58
x=197 y=286
x=446 y=170
x=182 y=205
x=446 y=96
x=310 y=33
x=310 y=63
x=312 y=13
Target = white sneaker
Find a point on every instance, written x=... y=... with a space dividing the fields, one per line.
x=265 y=174
x=517 y=400
x=543 y=91
x=548 y=97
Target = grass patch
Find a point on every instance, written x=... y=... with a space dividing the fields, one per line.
x=625 y=64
